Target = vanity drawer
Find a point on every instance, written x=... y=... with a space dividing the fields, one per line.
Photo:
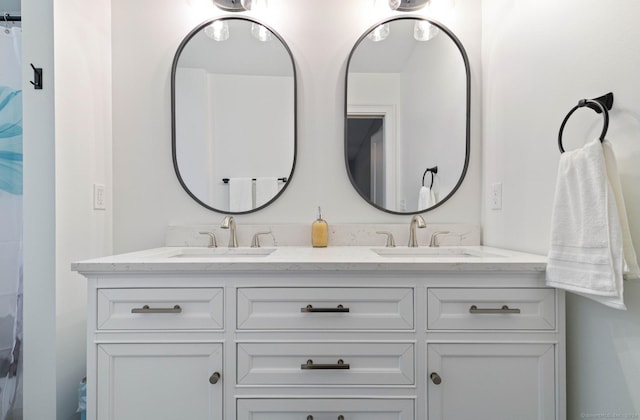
x=160 y=309
x=325 y=363
x=325 y=308
x=491 y=309
x=325 y=409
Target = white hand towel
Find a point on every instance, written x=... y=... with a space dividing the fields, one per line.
x=266 y=189
x=631 y=269
x=240 y=194
x=585 y=255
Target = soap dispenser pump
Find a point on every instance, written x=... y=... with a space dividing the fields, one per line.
x=319 y=232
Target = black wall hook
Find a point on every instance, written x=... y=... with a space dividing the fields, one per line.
x=37 y=77
x=600 y=104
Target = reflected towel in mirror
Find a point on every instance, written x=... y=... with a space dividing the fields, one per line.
x=423 y=198
x=240 y=194
x=266 y=189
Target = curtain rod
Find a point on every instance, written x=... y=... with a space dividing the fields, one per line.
x=10 y=18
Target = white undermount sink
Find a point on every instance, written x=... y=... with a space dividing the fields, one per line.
x=222 y=253
x=406 y=252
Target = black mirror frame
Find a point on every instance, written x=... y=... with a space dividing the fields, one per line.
x=465 y=59
x=173 y=111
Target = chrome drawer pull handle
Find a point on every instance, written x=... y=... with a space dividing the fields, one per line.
x=341 y=365
x=435 y=378
x=310 y=308
x=147 y=310
x=504 y=310
x=213 y=379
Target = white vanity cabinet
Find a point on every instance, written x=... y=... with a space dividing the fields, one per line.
x=307 y=341
x=511 y=369
x=155 y=352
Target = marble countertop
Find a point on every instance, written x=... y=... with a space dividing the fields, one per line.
x=301 y=258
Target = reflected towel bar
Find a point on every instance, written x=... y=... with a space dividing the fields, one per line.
x=226 y=180
x=433 y=171
x=11 y=18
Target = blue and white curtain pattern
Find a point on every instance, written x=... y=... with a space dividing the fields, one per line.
x=10 y=221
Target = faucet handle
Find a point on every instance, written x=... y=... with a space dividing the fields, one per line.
x=434 y=243
x=391 y=242
x=255 y=241
x=213 y=243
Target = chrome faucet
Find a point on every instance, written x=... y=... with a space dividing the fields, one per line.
x=434 y=243
x=391 y=242
x=416 y=222
x=213 y=243
x=255 y=241
x=230 y=223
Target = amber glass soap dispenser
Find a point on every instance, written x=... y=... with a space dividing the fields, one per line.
x=319 y=232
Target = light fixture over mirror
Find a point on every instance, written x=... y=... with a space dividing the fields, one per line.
x=233 y=110
x=407 y=115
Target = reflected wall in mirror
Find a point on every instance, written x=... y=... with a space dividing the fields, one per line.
x=407 y=115
x=233 y=109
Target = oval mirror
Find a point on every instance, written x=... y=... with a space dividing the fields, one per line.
x=233 y=110
x=407 y=115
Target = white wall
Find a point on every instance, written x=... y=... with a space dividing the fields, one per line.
x=539 y=59
x=39 y=389
x=147 y=195
x=66 y=149
x=83 y=157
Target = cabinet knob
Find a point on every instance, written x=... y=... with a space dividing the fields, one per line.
x=340 y=417
x=435 y=378
x=309 y=417
x=213 y=379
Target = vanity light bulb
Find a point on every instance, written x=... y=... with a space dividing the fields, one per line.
x=424 y=31
x=380 y=33
x=261 y=33
x=394 y=4
x=218 y=30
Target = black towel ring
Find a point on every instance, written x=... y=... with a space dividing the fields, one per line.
x=433 y=171
x=600 y=105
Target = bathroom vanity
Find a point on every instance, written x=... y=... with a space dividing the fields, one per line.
x=348 y=333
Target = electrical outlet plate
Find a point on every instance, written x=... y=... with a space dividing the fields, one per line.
x=496 y=196
x=99 y=197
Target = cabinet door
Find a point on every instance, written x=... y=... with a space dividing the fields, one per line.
x=159 y=381
x=491 y=381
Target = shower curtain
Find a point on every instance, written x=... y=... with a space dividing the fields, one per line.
x=10 y=222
